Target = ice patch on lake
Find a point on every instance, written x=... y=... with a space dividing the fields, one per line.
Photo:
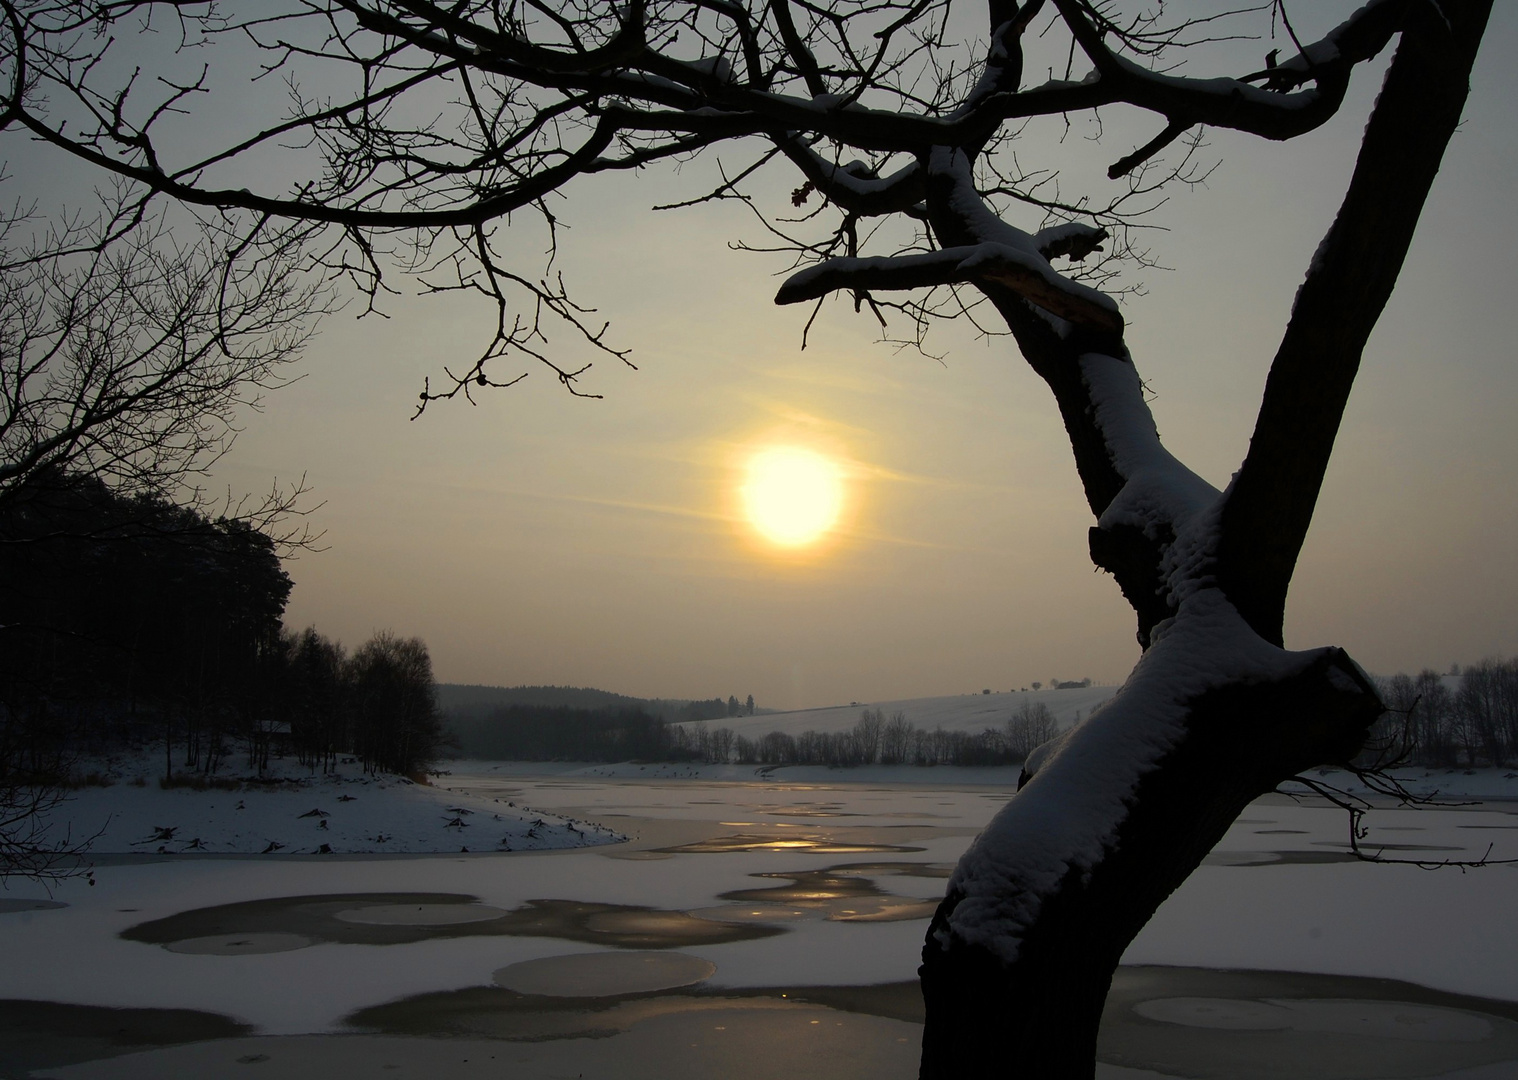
x=603 y=974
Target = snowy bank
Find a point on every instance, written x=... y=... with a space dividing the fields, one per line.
x=291 y=810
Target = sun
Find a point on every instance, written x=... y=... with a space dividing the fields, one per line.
x=792 y=495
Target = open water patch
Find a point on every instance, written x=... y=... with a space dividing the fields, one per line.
x=1279 y=858
x=1159 y=1021
x=1372 y=1019
x=604 y=974
x=839 y=893
x=815 y=845
x=46 y=1034
x=1263 y=1025
x=10 y=905
x=254 y=944
x=420 y=914
x=503 y=1012
x=403 y=918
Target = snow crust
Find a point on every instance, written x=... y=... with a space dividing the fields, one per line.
x=856 y=177
x=1066 y=818
x=985 y=86
x=1161 y=492
x=965 y=202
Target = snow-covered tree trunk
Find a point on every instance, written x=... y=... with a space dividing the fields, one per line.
x=1117 y=814
x=1113 y=816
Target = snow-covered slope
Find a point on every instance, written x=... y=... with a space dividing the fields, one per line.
x=291 y=811
x=971 y=713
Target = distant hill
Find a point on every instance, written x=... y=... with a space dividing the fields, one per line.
x=476 y=702
x=968 y=713
x=476 y=718
x=471 y=700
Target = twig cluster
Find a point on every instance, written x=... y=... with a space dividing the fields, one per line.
x=413 y=130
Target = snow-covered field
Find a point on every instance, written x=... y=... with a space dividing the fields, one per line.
x=290 y=809
x=840 y=865
x=971 y=713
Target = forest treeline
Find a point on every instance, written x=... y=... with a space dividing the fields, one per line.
x=131 y=622
x=472 y=702
x=1432 y=720
x=1429 y=723
x=876 y=739
x=547 y=733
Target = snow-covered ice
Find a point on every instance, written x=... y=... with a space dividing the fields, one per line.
x=1280 y=893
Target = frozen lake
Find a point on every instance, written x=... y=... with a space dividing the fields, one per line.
x=752 y=926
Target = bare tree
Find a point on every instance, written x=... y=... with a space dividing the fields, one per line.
x=1029 y=727
x=1487 y=704
x=867 y=735
x=132 y=341
x=396 y=724
x=437 y=125
x=31 y=846
x=896 y=739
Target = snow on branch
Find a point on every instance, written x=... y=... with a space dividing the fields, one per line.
x=1279 y=109
x=1073 y=240
x=1027 y=274
x=855 y=186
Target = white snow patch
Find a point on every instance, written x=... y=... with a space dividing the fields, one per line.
x=292 y=811
x=1160 y=490
x=1446 y=929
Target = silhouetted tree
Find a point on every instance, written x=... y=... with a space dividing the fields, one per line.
x=394 y=714
x=315 y=697
x=119 y=617
x=446 y=118
x=895 y=740
x=867 y=735
x=1487 y=704
x=133 y=342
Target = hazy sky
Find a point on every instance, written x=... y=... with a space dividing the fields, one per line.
x=542 y=539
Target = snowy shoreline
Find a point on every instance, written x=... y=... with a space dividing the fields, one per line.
x=1445 y=784
x=288 y=810
x=1281 y=901
x=291 y=812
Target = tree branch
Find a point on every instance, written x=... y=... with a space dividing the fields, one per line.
x=1266 y=516
x=1029 y=276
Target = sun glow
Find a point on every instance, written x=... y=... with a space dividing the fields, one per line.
x=792 y=496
